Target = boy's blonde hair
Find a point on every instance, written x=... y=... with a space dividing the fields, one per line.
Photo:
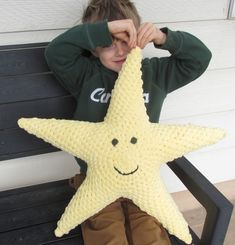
x=98 y=10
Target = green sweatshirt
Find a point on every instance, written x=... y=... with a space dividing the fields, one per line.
x=91 y=83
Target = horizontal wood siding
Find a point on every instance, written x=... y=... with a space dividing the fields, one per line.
x=31 y=15
x=213 y=92
x=182 y=10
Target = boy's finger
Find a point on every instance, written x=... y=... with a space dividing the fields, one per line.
x=133 y=36
x=142 y=26
x=140 y=38
x=144 y=35
x=141 y=33
x=131 y=30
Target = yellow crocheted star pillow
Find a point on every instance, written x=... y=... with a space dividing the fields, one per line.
x=124 y=154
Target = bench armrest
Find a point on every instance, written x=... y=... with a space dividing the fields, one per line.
x=218 y=208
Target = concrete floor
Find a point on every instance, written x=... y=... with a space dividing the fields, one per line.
x=196 y=217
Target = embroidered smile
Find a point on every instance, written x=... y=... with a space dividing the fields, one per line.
x=132 y=172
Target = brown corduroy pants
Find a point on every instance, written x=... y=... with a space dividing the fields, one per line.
x=121 y=223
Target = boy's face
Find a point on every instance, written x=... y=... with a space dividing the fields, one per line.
x=114 y=56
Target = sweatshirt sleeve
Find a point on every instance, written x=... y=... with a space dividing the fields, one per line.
x=66 y=57
x=189 y=59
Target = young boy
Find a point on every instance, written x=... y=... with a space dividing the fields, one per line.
x=86 y=60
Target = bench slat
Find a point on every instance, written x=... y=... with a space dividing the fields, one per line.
x=31 y=216
x=24 y=59
x=28 y=153
x=29 y=87
x=76 y=240
x=17 y=142
x=42 y=194
x=38 y=234
x=23 y=46
x=61 y=107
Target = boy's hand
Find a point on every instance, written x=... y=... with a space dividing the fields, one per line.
x=147 y=33
x=124 y=30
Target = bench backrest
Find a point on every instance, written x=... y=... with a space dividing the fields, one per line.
x=28 y=89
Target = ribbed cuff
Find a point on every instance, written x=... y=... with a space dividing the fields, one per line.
x=98 y=34
x=173 y=41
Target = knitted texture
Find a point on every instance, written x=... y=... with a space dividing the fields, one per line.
x=124 y=154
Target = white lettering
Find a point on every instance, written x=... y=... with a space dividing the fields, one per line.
x=105 y=97
x=99 y=96
x=96 y=92
x=146 y=97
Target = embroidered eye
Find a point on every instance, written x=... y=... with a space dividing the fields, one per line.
x=133 y=140
x=114 y=142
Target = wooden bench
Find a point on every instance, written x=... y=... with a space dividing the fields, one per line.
x=29 y=215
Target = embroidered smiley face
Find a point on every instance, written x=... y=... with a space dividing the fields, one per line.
x=132 y=141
